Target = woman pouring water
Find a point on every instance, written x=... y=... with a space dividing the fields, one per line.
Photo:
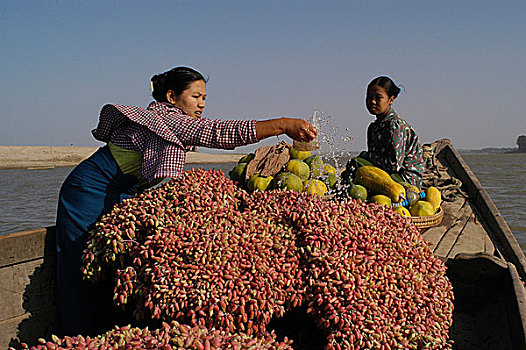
x=143 y=146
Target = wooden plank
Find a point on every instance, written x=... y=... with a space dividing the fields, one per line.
x=459 y=222
x=449 y=239
x=460 y=232
x=27 y=291
x=27 y=287
x=27 y=245
x=26 y=328
x=489 y=247
x=472 y=240
x=452 y=213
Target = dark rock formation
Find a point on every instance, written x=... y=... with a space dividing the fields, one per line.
x=521 y=142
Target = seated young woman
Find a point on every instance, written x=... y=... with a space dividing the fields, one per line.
x=392 y=144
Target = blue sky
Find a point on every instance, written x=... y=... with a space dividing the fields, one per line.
x=462 y=63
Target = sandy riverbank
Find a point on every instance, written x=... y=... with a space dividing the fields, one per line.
x=23 y=157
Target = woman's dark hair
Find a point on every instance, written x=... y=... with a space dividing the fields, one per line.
x=177 y=79
x=385 y=82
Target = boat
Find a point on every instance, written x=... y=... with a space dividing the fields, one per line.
x=44 y=167
x=485 y=265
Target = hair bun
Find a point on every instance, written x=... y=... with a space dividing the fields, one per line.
x=176 y=79
x=156 y=84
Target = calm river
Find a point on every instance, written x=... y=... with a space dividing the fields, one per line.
x=28 y=198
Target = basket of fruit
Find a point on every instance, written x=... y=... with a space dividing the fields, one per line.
x=428 y=221
x=422 y=207
x=427 y=211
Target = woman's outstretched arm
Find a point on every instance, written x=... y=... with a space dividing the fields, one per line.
x=296 y=129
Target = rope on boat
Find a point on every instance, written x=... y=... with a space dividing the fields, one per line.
x=436 y=174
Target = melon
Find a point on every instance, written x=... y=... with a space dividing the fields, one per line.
x=298 y=168
x=315 y=164
x=358 y=192
x=259 y=183
x=301 y=155
x=288 y=181
x=316 y=187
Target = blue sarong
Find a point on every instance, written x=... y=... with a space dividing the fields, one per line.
x=90 y=191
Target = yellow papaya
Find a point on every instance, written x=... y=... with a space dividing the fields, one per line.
x=422 y=208
x=402 y=211
x=380 y=182
x=381 y=199
x=434 y=197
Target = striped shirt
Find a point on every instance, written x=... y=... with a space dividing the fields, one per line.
x=163 y=134
x=393 y=145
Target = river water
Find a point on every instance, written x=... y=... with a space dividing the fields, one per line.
x=28 y=198
x=503 y=176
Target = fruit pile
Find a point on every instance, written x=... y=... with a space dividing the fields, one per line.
x=169 y=336
x=204 y=252
x=377 y=186
x=304 y=172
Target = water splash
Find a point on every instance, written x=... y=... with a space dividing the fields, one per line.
x=335 y=146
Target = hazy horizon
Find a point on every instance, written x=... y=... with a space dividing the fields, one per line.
x=460 y=63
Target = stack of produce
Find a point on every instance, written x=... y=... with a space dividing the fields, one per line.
x=202 y=251
x=169 y=336
x=304 y=172
x=373 y=283
x=377 y=186
x=184 y=251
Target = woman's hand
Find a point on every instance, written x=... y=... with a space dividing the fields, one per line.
x=300 y=130
x=295 y=128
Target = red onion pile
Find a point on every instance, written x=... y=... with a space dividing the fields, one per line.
x=202 y=251
x=169 y=336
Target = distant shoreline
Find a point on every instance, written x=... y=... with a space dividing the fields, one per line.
x=490 y=150
x=46 y=157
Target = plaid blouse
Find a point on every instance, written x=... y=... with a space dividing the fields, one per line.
x=393 y=145
x=163 y=134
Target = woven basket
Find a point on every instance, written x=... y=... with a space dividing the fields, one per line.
x=428 y=221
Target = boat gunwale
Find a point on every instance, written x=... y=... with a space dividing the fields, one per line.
x=520 y=294
x=23 y=246
x=485 y=206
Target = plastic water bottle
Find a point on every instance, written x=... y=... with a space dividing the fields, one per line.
x=405 y=202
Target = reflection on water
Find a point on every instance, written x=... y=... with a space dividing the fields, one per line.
x=28 y=198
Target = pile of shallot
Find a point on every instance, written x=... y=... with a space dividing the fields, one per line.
x=203 y=252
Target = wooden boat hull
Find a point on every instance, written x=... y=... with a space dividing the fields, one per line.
x=27 y=272
x=490 y=302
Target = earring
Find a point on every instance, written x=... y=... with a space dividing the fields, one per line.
x=169 y=97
